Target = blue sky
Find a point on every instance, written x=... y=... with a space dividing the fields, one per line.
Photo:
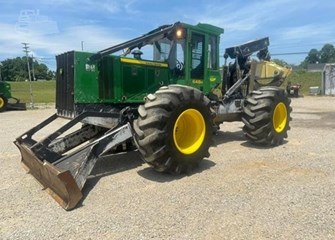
x=55 y=26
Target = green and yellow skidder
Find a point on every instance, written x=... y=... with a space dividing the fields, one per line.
x=164 y=92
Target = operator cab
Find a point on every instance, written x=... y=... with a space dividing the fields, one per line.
x=192 y=54
x=189 y=54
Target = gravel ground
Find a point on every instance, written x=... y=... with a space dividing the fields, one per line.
x=239 y=192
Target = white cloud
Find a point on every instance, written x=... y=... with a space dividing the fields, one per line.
x=95 y=38
x=293 y=25
x=112 y=6
x=239 y=17
x=309 y=31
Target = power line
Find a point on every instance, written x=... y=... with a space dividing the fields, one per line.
x=292 y=53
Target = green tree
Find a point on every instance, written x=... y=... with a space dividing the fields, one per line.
x=51 y=75
x=327 y=54
x=313 y=56
x=41 y=71
x=15 y=69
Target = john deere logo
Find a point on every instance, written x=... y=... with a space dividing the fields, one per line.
x=90 y=67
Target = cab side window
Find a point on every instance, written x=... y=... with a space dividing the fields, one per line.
x=212 y=57
x=197 y=58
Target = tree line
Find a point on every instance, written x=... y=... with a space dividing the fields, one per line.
x=16 y=69
x=325 y=55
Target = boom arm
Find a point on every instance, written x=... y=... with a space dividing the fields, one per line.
x=246 y=49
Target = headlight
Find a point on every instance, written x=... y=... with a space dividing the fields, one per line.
x=179 y=33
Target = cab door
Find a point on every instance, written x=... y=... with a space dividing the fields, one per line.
x=204 y=61
x=197 y=58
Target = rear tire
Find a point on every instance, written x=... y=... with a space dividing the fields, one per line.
x=174 y=129
x=3 y=103
x=266 y=115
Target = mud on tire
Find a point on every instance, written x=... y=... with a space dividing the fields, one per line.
x=266 y=116
x=174 y=129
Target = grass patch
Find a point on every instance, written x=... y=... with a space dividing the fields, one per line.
x=43 y=91
x=306 y=79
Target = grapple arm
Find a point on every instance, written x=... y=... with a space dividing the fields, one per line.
x=158 y=33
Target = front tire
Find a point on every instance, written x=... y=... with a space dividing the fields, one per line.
x=266 y=115
x=174 y=129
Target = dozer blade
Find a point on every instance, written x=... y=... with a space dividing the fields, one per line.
x=65 y=175
x=59 y=183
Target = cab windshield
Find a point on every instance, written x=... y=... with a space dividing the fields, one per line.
x=170 y=50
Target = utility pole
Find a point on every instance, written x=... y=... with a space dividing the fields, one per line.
x=82 y=45
x=26 y=50
x=32 y=67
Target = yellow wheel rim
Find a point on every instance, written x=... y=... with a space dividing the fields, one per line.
x=279 y=117
x=189 y=131
x=2 y=102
